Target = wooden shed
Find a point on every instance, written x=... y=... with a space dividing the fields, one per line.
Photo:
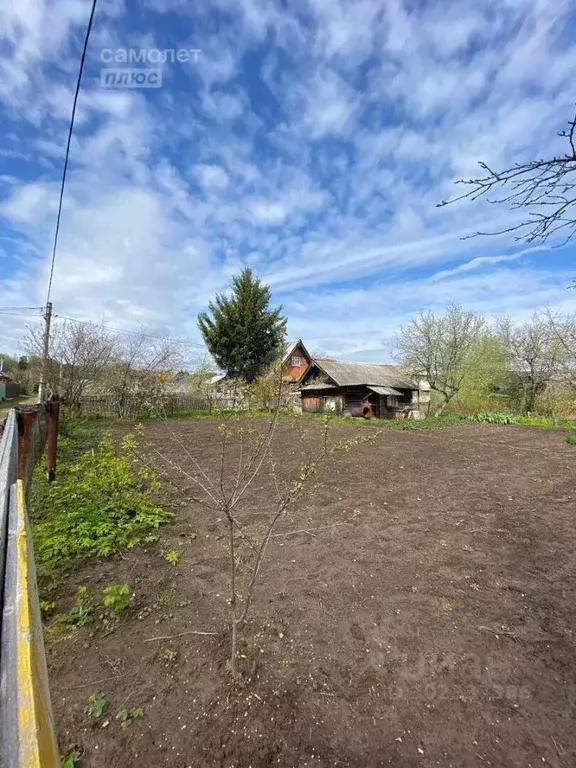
x=362 y=389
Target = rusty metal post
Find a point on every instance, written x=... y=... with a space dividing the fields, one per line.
x=25 y=421
x=52 y=440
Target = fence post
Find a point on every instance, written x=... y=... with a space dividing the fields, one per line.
x=52 y=440
x=25 y=421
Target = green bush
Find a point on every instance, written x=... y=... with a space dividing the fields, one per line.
x=100 y=503
x=571 y=438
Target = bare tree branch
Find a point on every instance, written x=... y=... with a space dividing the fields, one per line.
x=545 y=189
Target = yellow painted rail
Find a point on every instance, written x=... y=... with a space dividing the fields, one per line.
x=27 y=735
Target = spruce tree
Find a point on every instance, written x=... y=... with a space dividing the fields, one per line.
x=244 y=335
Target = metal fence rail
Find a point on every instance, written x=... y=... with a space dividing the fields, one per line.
x=27 y=736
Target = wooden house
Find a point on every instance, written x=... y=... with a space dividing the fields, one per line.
x=362 y=389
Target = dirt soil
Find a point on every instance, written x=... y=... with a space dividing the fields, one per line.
x=423 y=615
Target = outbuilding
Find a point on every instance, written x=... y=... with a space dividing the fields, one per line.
x=363 y=389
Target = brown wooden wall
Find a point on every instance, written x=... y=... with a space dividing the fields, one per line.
x=312 y=403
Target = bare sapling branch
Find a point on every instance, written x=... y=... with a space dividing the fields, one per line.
x=246 y=454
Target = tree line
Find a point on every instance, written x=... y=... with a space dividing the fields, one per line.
x=88 y=359
x=472 y=364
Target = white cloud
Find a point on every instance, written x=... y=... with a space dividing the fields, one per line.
x=212 y=176
x=312 y=140
x=322 y=104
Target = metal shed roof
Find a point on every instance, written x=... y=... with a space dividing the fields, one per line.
x=365 y=374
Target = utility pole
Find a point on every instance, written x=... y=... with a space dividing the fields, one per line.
x=45 y=353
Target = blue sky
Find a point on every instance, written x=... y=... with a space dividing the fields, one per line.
x=310 y=140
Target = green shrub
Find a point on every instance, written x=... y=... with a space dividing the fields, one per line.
x=99 y=504
x=571 y=438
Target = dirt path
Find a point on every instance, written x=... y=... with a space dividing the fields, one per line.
x=426 y=618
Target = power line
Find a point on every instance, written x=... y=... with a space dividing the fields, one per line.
x=183 y=342
x=73 y=115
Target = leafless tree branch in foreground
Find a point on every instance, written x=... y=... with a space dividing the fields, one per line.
x=545 y=189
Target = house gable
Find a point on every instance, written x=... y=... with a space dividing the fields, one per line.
x=315 y=377
x=296 y=361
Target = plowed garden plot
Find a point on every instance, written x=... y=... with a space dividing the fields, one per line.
x=419 y=612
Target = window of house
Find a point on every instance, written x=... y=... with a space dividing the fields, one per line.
x=295 y=361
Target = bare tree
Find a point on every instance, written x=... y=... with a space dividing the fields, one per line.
x=79 y=355
x=562 y=328
x=141 y=368
x=229 y=491
x=534 y=353
x=545 y=189
x=440 y=348
x=200 y=379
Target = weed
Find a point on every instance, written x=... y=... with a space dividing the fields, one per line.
x=170 y=655
x=173 y=556
x=99 y=504
x=571 y=438
x=117 y=597
x=163 y=597
x=82 y=612
x=47 y=606
x=71 y=756
x=97 y=705
x=128 y=716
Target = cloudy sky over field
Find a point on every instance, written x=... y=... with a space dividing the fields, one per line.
x=310 y=139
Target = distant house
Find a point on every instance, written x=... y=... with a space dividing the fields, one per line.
x=295 y=361
x=8 y=388
x=362 y=389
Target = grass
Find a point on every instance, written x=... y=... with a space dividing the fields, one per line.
x=6 y=405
